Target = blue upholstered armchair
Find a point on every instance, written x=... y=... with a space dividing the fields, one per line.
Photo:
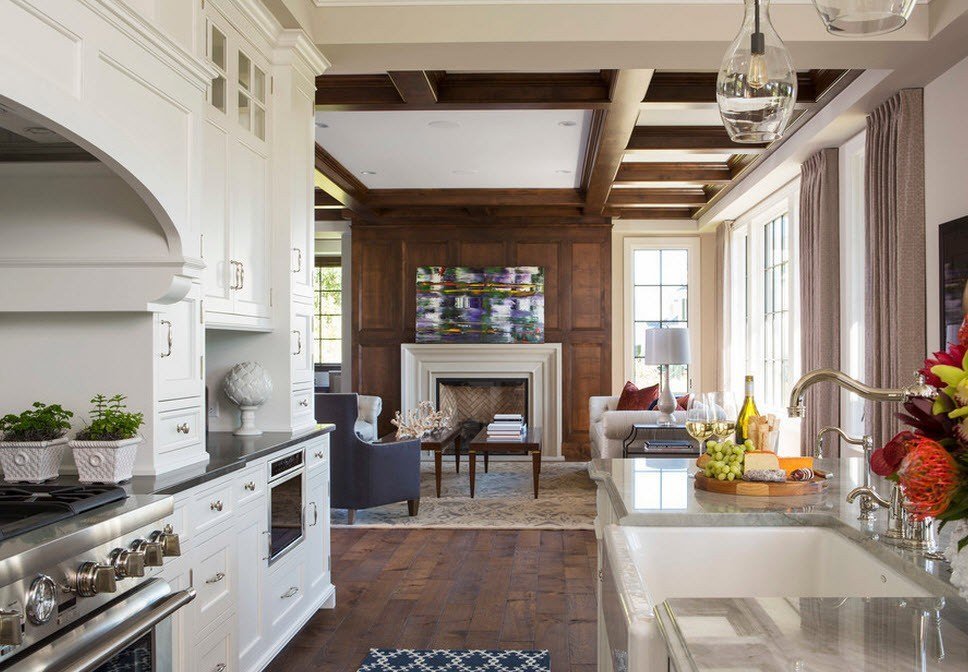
x=366 y=473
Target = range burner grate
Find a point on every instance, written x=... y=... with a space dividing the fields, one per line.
x=26 y=507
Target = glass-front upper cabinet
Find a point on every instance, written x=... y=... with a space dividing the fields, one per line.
x=237 y=70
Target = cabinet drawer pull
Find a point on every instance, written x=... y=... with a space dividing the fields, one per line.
x=304 y=402
x=298 y=260
x=250 y=486
x=182 y=428
x=235 y=267
x=289 y=593
x=315 y=514
x=221 y=667
x=318 y=454
x=298 y=341
x=216 y=505
x=167 y=323
x=241 y=275
x=215 y=579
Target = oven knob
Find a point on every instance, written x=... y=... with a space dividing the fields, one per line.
x=94 y=578
x=170 y=545
x=127 y=563
x=152 y=551
x=11 y=631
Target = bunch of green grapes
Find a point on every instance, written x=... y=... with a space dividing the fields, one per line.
x=727 y=459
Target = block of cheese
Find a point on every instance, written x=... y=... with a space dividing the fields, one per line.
x=760 y=460
x=791 y=464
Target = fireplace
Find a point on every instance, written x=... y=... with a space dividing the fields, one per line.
x=531 y=370
x=475 y=401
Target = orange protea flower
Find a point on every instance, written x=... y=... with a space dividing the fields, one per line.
x=929 y=476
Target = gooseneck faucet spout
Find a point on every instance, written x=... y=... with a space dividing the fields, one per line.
x=796 y=408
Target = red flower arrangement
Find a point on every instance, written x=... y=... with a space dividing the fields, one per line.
x=931 y=461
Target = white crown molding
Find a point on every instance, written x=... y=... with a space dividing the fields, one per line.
x=196 y=71
x=299 y=43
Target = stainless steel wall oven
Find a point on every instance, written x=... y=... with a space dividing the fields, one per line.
x=286 y=489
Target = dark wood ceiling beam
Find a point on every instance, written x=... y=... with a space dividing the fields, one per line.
x=700 y=87
x=628 y=87
x=416 y=87
x=642 y=198
x=463 y=91
x=692 y=139
x=651 y=213
x=327 y=215
x=341 y=184
x=28 y=151
x=395 y=198
x=689 y=173
x=322 y=200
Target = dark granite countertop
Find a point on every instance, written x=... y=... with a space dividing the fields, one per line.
x=227 y=453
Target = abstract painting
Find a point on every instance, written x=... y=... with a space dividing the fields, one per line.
x=491 y=304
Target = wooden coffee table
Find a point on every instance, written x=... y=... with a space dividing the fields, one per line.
x=436 y=442
x=529 y=443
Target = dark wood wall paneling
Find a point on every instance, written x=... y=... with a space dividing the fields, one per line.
x=576 y=257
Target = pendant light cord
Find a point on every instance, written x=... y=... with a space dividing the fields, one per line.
x=757 y=40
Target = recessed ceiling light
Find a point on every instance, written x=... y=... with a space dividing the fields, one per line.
x=464 y=171
x=367 y=172
x=563 y=171
x=38 y=130
x=320 y=124
x=443 y=123
x=567 y=122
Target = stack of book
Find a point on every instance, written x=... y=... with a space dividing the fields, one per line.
x=507 y=427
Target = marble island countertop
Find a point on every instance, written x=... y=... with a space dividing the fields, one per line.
x=789 y=633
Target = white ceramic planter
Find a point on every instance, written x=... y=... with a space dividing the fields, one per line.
x=31 y=461
x=959 y=561
x=105 y=461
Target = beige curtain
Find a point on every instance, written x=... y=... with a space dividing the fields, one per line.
x=894 y=275
x=820 y=289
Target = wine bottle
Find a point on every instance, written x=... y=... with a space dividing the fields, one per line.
x=746 y=412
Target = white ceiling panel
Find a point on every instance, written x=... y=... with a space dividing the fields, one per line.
x=658 y=114
x=672 y=156
x=492 y=149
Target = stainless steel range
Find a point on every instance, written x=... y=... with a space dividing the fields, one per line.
x=79 y=584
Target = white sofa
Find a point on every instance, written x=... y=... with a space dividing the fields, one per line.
x=608 y=428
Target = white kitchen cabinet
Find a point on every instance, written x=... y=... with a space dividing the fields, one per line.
x=235 y=203
x=250 y=567
x=246 y=611
x=179 y=346
x=317 y=539
x=301 y=342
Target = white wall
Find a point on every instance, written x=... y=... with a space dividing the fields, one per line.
x=946 y=168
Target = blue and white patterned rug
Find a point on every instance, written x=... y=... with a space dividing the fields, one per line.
x=455 y=660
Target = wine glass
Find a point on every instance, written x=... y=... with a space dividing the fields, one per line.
x=724 y=405
x=700 y=418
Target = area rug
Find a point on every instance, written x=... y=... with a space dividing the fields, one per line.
x=443 y=660
x=503 y=499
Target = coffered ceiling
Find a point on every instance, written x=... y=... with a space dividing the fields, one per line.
x=628 y=144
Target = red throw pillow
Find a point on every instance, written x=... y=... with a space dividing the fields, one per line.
x=634 y=399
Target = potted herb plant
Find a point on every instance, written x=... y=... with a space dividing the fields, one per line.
x=33 y=443
x=104 y=451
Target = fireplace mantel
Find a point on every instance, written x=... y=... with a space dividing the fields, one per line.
x=421 y=364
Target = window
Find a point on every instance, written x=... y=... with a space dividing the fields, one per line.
x=765 y=318
x=328 y=330
x=661 y=291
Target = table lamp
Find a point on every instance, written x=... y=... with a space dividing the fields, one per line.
x=664 y=347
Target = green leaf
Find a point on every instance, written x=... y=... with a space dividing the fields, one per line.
x=962 y=543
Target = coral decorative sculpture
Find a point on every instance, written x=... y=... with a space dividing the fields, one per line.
x=420 y=421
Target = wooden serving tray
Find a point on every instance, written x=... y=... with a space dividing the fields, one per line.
x=758 y=489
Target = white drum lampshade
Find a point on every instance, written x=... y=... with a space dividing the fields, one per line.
x=664 y=347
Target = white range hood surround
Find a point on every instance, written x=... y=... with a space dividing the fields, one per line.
x=421 y=364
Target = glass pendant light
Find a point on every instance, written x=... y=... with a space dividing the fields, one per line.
x=864 y=17
x=757 y=85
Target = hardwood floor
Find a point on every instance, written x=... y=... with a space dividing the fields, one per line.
x=454 y=589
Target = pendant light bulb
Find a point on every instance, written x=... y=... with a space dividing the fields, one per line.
x=757 y=86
